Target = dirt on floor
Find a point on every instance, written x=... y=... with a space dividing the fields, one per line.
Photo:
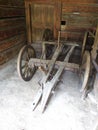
x=65 y=110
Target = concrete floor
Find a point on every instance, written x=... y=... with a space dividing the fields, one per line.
x=65 y=111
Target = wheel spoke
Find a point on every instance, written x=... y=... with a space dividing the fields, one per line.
x=23 y=66
x=25 y=72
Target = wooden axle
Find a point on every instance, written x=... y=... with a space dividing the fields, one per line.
x=41 y=62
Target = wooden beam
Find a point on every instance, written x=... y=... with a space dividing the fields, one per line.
x=10 y=53
x=52 y=62
x=57 y=18
x=28 y=23
x=95 y=45
x=7 y=44
x=91 y=34
x=11 y=12
x=84 y=43
x=11 y=32
x=48 y=86
x=38 y=62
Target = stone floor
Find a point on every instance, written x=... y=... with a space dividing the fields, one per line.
x=65 y=110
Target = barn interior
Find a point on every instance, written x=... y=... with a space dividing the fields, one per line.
x=49 y=64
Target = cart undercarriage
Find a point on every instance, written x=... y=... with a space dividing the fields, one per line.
x=52 y=67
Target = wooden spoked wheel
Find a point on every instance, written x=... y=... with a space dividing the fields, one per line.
x=24 y=70
x=85 y=71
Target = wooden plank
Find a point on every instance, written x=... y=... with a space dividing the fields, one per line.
x=7 y=55
x=80 y=1
x=80 y=4
x=11 y=32
x=11 y=12
x=41 y=19
x=79 y=8
x=69 y=54
x=8 y=23
x=72 y=36
x=57 y=18
x=91 y=34
x=28 y=23
x=77 y=28
x=19 y=3
x=80 y=15
x=96 y=90
x=95 y=45
x=72 y=18
x=67 y=1
x=84 y=43
x=95 y=65
x=41 y=1
x=12 y=28
x=7 y=44
x=37 y=98
x=38 y=62
x=52 y=62
x=50 y=85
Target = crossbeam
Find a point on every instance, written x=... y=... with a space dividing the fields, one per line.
x=62 y=42
x=42 y=62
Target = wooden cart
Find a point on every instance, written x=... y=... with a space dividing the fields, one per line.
x=52 y=49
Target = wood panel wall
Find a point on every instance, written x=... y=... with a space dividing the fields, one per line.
x=79 y=16
x=12 y=28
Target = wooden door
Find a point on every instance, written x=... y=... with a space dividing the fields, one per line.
x=42 y=17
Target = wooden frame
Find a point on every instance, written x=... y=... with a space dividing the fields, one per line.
x=46 y=85
x=57 y=16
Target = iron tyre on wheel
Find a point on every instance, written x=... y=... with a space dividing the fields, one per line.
x=85 y=72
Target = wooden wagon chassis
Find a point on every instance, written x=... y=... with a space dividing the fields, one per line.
x=48 y=84
x=28 y=63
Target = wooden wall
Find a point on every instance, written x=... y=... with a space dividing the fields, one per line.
x=12 y=28
x=79 y=16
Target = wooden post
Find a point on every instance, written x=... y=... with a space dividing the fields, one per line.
x=57 y=18
x=59 y=35
x=95 y=45
x=28 y=23
x=84 y=42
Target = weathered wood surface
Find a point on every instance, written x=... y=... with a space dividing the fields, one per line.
x=96 y=88
x=52 y=62
x=10 y=23
x=11 y=42
x=12 y=3
x=51 y=84
x=11 y=12
x=7 y=33
x=68 y=66
x=47 y=86
x=79 y=16
x=80 y=1
x=85 y=72
x=95 y=45
x=10 y=53
x=12 y=28
x=95 y=65
x=86 y=8
x=84 y=42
